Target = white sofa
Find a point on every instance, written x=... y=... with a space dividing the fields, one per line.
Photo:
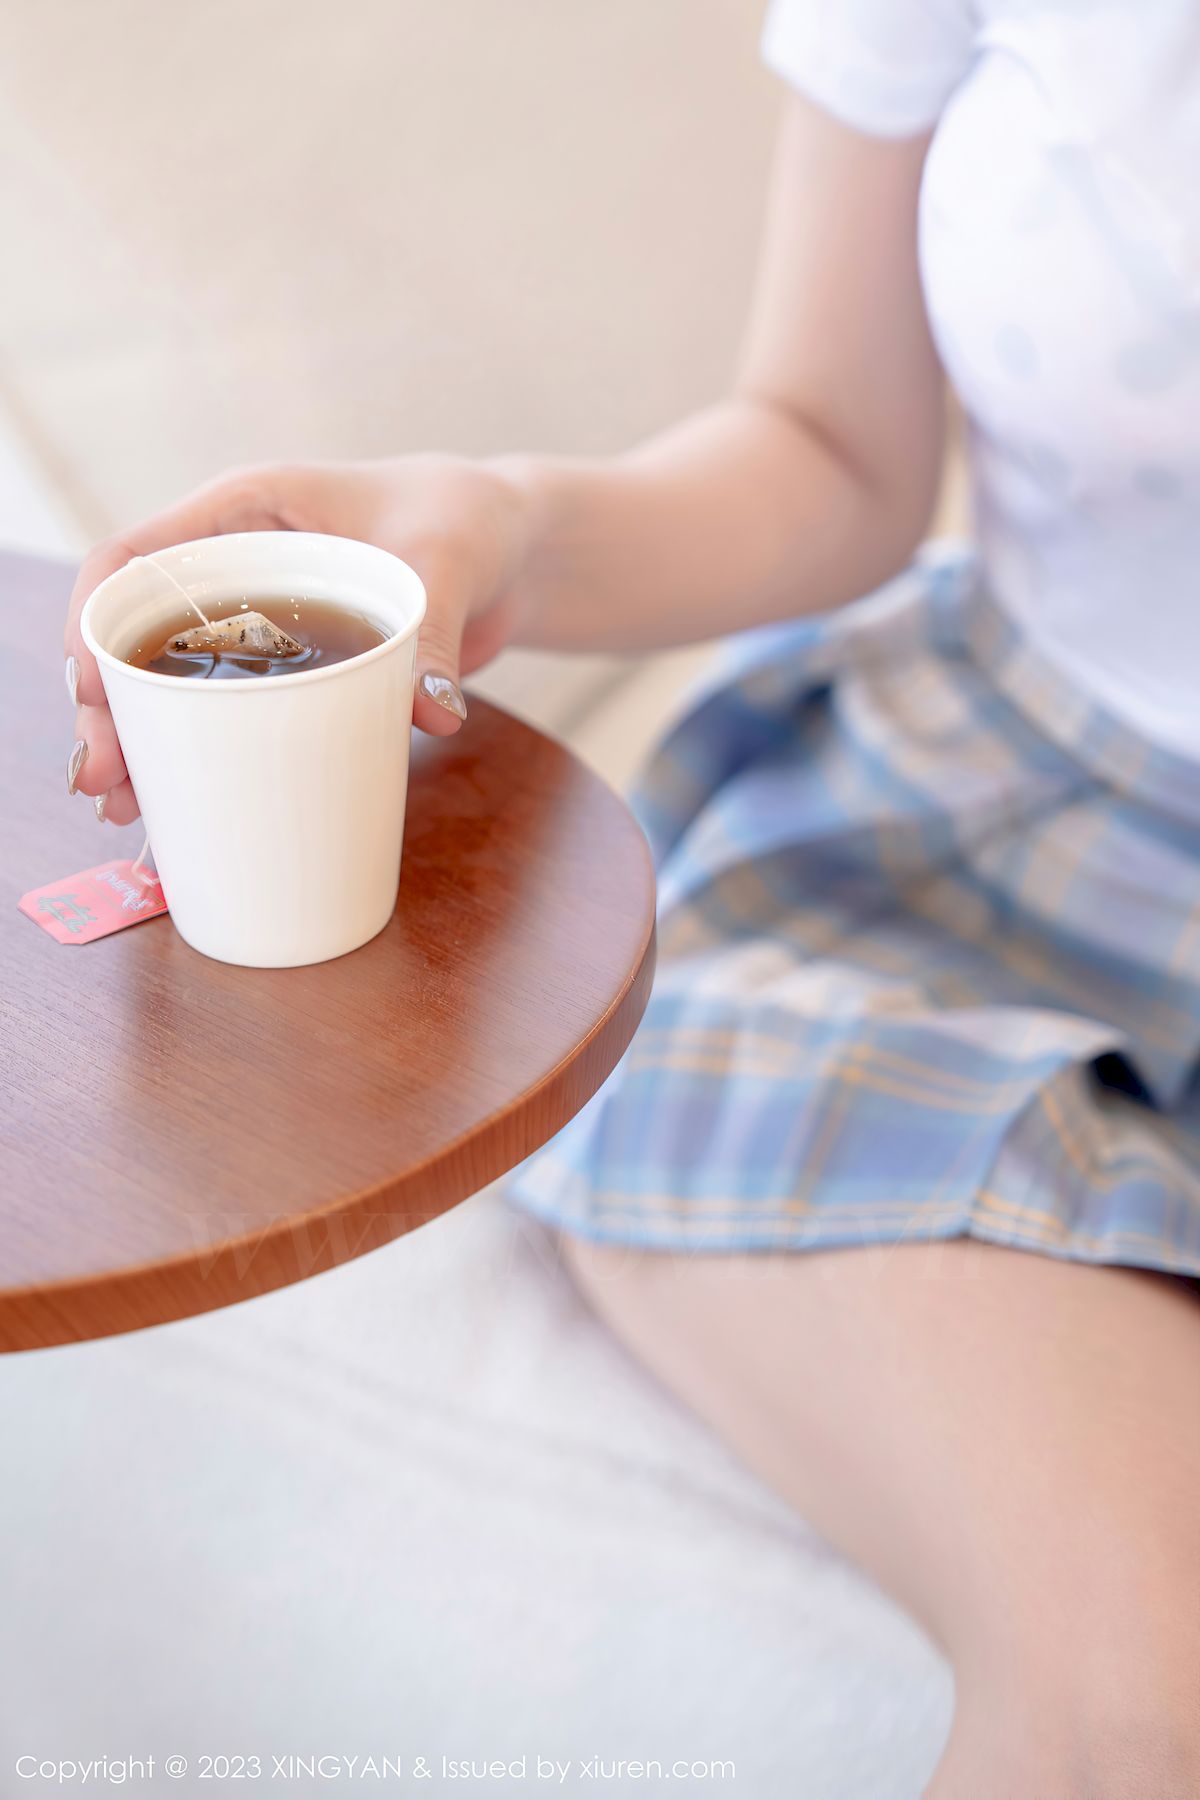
x=422 y=1505
x=419 y=1506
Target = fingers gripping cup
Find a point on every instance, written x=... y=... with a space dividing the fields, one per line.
x=274 y=806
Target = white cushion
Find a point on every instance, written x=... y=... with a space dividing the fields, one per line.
x=424 y=1505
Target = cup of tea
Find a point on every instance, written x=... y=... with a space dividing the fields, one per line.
x=272 y=788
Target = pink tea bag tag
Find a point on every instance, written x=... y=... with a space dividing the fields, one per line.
x=96 y=902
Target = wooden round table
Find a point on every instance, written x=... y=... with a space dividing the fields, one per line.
x=177 y=1134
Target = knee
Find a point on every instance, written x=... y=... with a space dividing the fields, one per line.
x=1132 y=1753
x=1108 y=1708
x=1135 y=1676
x=1146 y=1743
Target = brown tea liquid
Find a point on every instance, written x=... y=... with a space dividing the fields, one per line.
x=327 y=633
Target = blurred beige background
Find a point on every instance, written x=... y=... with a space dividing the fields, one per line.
x=243 y=229
x=256 y=228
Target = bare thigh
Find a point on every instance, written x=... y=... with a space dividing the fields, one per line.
x=1009 y=1444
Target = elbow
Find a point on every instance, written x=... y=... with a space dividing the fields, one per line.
x=887 y=477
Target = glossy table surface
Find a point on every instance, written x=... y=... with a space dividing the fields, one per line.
x=177 y=1134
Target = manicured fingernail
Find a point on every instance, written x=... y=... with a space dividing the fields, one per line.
x=75 y=762
x=444 y=692
x=71 y=676
x=100 y=802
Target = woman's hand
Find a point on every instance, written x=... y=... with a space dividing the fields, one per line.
x=463 y=526
x=810 y=485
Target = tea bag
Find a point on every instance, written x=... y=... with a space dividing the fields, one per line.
x=243 y=634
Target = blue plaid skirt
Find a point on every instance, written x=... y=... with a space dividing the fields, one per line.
x=929 y=958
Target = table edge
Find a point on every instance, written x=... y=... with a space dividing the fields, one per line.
x=143 y=1295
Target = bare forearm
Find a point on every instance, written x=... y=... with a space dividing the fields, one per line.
x=739 y=516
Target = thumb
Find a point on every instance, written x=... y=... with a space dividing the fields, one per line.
x=438 y=705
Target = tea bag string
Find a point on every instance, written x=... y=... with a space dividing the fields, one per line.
x=138 y=867
x=177 y=585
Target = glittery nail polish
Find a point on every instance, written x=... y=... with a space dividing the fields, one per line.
x=444 y=692
x=100 y=803
x=75 y=762
x=71 y=677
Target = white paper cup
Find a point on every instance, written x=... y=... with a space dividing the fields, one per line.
x=274 y=805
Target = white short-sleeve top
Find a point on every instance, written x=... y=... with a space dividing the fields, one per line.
x=1060 y=257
